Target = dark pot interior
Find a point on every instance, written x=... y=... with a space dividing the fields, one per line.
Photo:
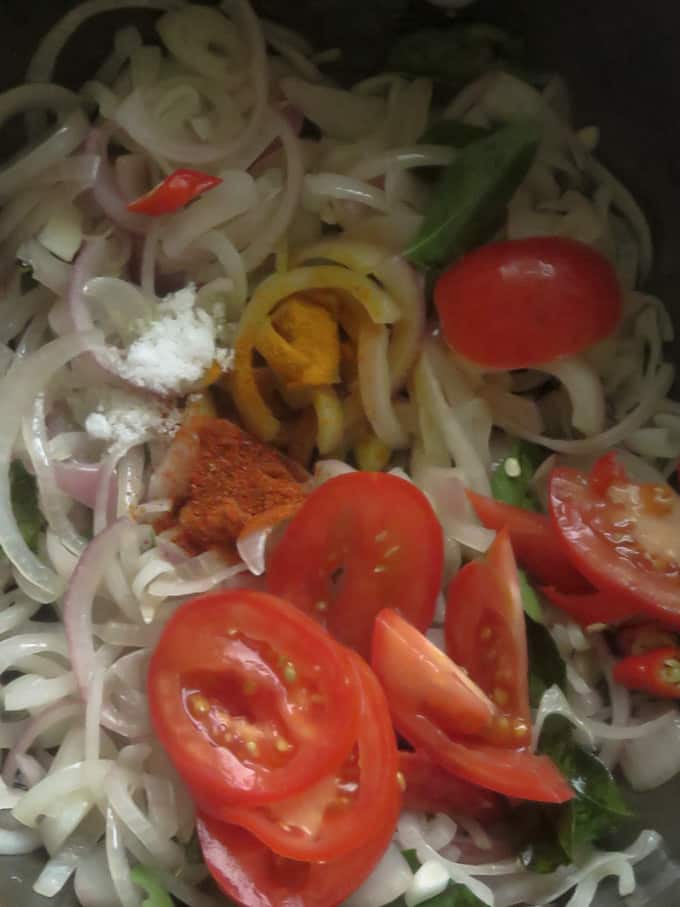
x=619 y=58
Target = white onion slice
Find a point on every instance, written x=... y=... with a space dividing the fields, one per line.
x=389 y=880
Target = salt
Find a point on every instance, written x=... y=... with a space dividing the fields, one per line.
x=124 y=419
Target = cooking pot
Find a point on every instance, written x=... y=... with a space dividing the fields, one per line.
x=619 y=59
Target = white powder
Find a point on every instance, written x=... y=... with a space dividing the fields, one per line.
x=176 y=349
x=123 y=419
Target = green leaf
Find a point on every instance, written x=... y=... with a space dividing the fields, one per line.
x=530 y=602
x=546 y=666
x=453 y=133
x=452 y=896
x=471 y=196
x=511 y=478
x=598 y=807
x=546 y=854
x=454 y=56
x=24 y=496
x=147 y=879
x=412 y=859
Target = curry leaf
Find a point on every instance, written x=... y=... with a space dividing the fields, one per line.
x=157 y=896
x=598 y=807
x=24 y=496
x=472 y=194
x=511 y=478
x=546 y=666
x=454 y=56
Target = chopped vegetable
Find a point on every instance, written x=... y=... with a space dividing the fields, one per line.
x=454 y=895
x=546 y=665
x=157 y=896
x=530 y=601
x=625 y=540
x=641 y=638
x=598 y=807
x=25 y=503
x=523 y=302
x=656 y=672
x=454 y=55
x=535 y=543
x=472 y=195
x=510 y=482
x=430 y=789
x=174 y=192
x=591 y=608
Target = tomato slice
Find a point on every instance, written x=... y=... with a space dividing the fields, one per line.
x=359 y=543
x=588 y=608
x=534 y=541
x=339 y=813
x=513 y=772
x=430 y=789
x=251 y=874
x=624 y=537
x=485 y=633
x=519 y=303
x=251 y=699
x=425 y=681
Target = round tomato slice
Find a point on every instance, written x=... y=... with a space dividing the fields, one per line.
x=424 y=680
x=339 y=813
x=534 y=541
x=623 y=536
x=251 y=874
x=485 y=633
x=519 y=303
x=361 y=542
x=431 y=789
x=251 y=699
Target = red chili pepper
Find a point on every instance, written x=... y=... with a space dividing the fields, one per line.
x=641 y=638
x=605 y=472
x=176 y=190
x=656 y=672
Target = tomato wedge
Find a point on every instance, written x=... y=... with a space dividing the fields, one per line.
x=430 y=789
x=485 y=634
x=251 y=699
x=359 y=543
x=339 y=813
x=254 y=876
x=437 y=708
x=423 y=680
x=623 y=536
x=588 y=608
x=519 y=303
x=534 y=542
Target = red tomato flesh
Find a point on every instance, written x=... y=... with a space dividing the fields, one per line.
x=624 y=537
x=430 y=789
x=536 y=544
x=485 y=634
x=251 y=699
x=339 y=813
x=425 y=681
x=251 y=874
x=359 y=543
x=588 y=608
x=519 y=303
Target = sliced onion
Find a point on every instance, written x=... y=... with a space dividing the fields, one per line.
x=93 y=885
x=43 y=799
x=585 y=391
x=53 y=716
x=389 y=880
x=252 y=549
x=447 y=494
x=375 y=387
x=79 y=599
x=648 y=762
x=339 y=114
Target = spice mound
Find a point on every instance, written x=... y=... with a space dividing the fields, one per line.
x=233 y=483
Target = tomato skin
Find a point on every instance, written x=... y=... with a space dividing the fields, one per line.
x=424 y=680
x=431 y=789
x=249 y=873
x=382 y=533
x=243 y=642
x=519 y=303
x=616 y=570
x=485 y=634
x=534 y=541
x=588 y=608
x=344 y=828
x=515 y=773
